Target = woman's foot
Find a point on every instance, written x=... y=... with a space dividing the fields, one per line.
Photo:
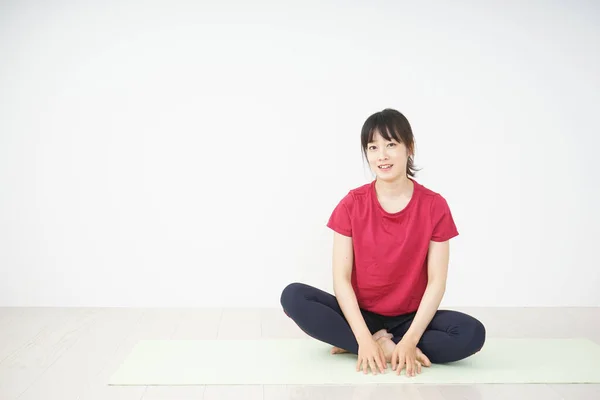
x=388 y=347
x=376 y=336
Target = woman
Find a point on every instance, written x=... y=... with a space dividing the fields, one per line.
x=390 y=262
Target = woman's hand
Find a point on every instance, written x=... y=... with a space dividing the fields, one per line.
x=370 y=354
x=406 y=353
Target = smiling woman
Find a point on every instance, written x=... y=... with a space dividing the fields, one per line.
x=390 y=262
x=389 y=131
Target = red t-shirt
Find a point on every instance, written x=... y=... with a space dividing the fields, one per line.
x=389 y=273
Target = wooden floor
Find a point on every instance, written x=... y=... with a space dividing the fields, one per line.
x=69 y=353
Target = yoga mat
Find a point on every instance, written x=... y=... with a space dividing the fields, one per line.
x=308 y=362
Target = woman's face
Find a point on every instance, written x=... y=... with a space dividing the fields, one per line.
x=381 y=152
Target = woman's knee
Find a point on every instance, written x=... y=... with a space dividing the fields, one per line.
x=476 y=335
x=467 y=340
x=291 y=295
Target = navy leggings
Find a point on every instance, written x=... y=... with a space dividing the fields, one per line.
x=450 y=336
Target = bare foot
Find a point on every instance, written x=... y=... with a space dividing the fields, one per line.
x=376 y=336
x=388 y=347
x=382 y=333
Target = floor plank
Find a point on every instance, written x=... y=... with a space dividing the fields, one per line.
x=577 y=392
x=174 y=393
x=81 y=365
x=153 y=324
x=18 y=328
x=59 y=332
x=498 y=392
x=239 y=323
x=233 y=392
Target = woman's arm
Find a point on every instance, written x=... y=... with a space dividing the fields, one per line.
x=437 y=270
x=343 y=257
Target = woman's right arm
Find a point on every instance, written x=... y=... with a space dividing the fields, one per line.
x=343 y=257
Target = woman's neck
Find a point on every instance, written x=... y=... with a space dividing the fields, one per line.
x=402 y=187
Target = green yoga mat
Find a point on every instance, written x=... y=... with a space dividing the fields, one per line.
x=308 y=362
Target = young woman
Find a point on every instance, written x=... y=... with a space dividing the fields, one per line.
x=390 y=263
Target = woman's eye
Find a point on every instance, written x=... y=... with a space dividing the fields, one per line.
x=373 y=147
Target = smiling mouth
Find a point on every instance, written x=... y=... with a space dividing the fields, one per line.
x=385 y=166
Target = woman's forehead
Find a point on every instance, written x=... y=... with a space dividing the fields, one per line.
x=378 y=137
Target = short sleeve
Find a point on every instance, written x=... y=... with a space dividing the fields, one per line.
x=340 y=217
x=443 y=224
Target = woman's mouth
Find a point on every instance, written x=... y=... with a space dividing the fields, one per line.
x=385 y=167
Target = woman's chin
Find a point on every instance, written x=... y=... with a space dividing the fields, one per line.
x=387 y=177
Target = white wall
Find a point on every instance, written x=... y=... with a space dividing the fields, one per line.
x=188 y=154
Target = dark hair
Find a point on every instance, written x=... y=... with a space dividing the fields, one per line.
x=391 y=124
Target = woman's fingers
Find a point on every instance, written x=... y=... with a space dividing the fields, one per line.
x=399 y=367
x=361 y=364
x=378 y=360
x=413 y=367
x=372 y=364
x=395 y=360
x=383 y=362
x=423 y=358
x=400 y=364
x=409 y=366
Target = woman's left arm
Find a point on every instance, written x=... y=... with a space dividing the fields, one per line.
x=437 y=270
